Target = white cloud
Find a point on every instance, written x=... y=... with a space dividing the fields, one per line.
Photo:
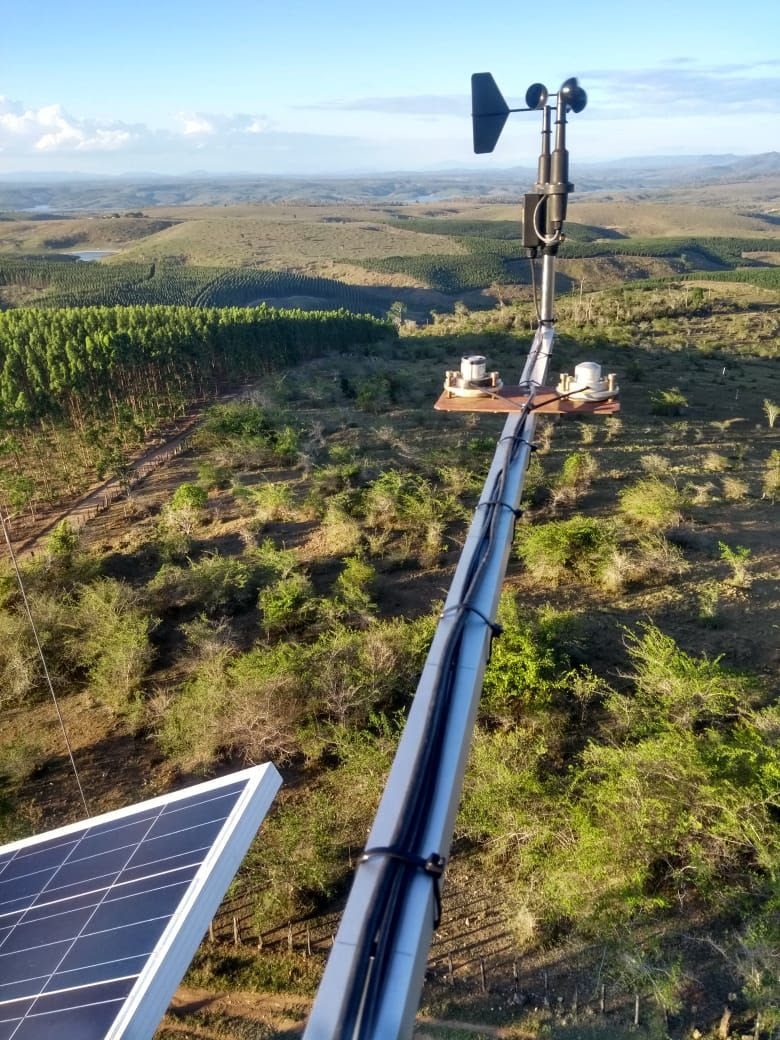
x=51 y=129
x=214 y=124
x=196 y=126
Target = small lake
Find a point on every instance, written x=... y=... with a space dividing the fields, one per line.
x=93 y=254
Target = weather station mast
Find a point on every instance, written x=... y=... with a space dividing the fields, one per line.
x=373 y=979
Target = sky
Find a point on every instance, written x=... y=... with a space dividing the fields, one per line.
x=339 y=87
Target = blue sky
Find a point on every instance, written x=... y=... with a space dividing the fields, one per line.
x=341 y=86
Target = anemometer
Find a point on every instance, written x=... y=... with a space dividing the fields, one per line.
x=545 y=208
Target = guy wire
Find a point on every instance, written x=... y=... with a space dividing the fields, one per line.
x=49 y=683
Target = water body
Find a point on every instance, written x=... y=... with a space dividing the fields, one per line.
x=93 y=254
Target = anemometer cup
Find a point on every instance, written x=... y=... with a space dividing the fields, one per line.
x=574 y=97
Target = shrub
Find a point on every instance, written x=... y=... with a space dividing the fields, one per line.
x=213 y=583
x=667 y=402
x=19 y=758
x=307 y=846
x=243 y=435
x=737 y=558
x=655 y=465
x=231 y=705
x=652 y=503
x=339 y=532
x=655 y=558
x=272 y=562
x=526 y=662
x=188 y=497
x=20 y=672
x=771 y=410
x=375 y=394
x=673 y=689
x=576 y=476
x=286 y=444
x=272 y=501
x=113 y=643
x=771 y=485
x=62 y=543
x=180 y=516
x=714 y=463
x=351 y=586
x=383 y=499
x=286 y=604
x=22 y=679
x=734 y=489
x=652 y=820
x=575 y=548
x=534 y=481
x=212 y=476
x=613 y=426
x=503 y=791
x=353 y=675
x=241 y=420
x=708 y=602
x=398 y=501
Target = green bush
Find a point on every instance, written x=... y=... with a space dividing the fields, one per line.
x=574 y=479
x=271 y=501
x=668 y=402
x=305 y=856
x=113 y=643
x=214 y=583
x=189 y=496
x=211 y=476
x=577 y=548
x=651 y=820
x=652 y=503
x=352 y=675
x=22 y=680
x=526 y=663
x=673 y=689
x=287 y=604
x=504 y=790
x=180 y=517
x=18 y=759
x=352 y=585
x=771 y=484
x=62 y=543
x=232 y=705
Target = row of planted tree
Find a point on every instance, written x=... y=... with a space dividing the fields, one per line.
x=80 y=386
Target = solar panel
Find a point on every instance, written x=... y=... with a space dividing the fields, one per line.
x=99 y=920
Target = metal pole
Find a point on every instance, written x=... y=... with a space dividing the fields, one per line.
x=374 y=975
x=403 y=981
x=546 y=305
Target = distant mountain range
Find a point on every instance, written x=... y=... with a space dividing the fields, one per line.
x=43 y=194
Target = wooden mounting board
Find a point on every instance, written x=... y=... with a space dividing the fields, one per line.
x=512 y=399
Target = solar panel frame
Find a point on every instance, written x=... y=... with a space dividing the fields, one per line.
x=148 y=996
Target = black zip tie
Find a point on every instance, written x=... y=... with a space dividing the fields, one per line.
x=517 y=513
x=494 y=627
x=518 y=440
x=433 y=866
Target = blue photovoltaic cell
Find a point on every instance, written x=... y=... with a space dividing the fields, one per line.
x=83 y=911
